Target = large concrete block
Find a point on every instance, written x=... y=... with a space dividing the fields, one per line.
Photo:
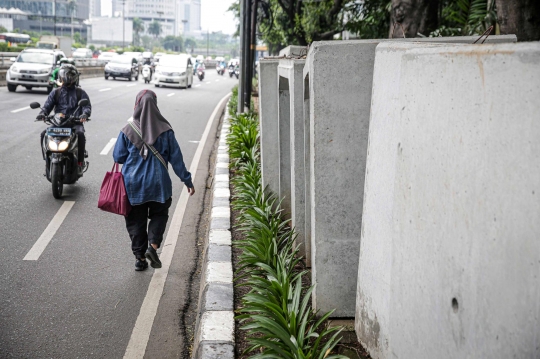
x=293 y=50
x=339 y=108
x=453 y=213
x=284 y=140
x=290 y=71
x=268 y=117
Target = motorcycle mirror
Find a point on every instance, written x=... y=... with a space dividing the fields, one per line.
x=35 y=105
x=83 y=102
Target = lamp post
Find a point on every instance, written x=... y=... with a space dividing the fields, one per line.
x=54 y=13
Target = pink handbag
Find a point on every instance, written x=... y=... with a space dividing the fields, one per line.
x=112 y=196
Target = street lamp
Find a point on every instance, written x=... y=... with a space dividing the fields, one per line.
x=123 y=24
x=54 y=12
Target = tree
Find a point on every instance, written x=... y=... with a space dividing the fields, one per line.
x=173 y=43
x=154 y=28
x=520 y=17
x=190 y=43
x=3 y=29
x=138 y=27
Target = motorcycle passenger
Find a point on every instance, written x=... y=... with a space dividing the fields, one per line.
x=65 y=100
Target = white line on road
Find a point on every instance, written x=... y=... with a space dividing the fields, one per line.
x=107 y=89
x=194 y=141
x=171 y=94
x=217 y=80
x=131 y=85
x=50 y=231
x=108 y=147
x=198 y=85
x=20 y=109
x=141 y=332
x=208 y=82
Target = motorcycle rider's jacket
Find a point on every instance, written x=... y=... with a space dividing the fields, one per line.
x=66 y=102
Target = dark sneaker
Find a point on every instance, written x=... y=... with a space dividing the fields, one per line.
x=140 y=265
x=152 y=256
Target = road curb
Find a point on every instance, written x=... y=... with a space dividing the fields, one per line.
x=214 y=332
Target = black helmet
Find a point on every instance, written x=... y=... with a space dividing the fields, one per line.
x=68 y=75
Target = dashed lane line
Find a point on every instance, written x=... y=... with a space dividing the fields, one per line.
x=108 y=147
x=131 y=85
x=171 y=94
x=208 y=82
x=217 y=80
x=20 y=109
x=197 y=85
x=194 y=141
x=138 y=341
x=42 y=242
x=103 y=90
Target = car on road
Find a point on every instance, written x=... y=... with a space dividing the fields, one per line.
x=32 y=68
x=122 y=66
x=174 y=70
x=82 y=53
x=107 y=56
x=138 y=56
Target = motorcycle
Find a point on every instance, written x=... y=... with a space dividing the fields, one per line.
x=200 y=73
x=147 y=74
x=237 y=72
x=220 y=70
x=60 y=149
x=231 y=72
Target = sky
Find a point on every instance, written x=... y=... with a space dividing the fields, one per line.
x=214 y=15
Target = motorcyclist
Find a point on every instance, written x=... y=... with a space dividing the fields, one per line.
x=65 y=100
x=148 y=61
x=54 y=74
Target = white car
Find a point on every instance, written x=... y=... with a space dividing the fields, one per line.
x=174 y=70
x=107 y=56
x=82 y=54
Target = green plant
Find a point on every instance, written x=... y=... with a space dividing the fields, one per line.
x=276 y=312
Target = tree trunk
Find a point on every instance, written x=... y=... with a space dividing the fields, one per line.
x=415 y=16
x=519 y=17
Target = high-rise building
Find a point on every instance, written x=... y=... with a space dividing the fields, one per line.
x=95 y=8
x=189 y=17
x=44 y=14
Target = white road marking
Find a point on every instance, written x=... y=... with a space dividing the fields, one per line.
x=131 y=85
x=198 y=85
x=141 y=332
x=217 y=80
x=42 y=242
x=108 y=147
x=20 y=109
x=194 y=141
x=107 y=89
x=208 y=82
x=171 y=94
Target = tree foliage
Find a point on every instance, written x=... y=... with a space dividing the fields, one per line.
x=154 y=28
x=138 y=27
x=173 y=43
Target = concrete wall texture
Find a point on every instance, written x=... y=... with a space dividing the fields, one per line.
x=450 y=256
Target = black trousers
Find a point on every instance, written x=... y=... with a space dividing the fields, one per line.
x=81 y=141
x=143 y=233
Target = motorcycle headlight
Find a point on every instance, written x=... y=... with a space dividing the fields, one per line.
x=14 y=69
x=53 y=146
x=63 y=145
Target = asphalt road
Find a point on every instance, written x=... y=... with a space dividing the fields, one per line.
x=82 y=297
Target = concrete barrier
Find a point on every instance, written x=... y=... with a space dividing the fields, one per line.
x=291 y=142
x=450 y=256
x=339 y=108
x=268 y=117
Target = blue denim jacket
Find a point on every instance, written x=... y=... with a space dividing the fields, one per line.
x=147 y=180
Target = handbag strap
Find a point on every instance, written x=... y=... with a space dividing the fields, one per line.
x=115 y=167
x=152 y=148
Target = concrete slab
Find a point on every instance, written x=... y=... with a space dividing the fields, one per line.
x=294 y=50
x=213 y=350
x=221 y=201
x=218 y=253
x=292 y=71
x=217 y=326
x=217 y=296
x=284 y=141
x=220 y=237
x=223 y=223
x=268 y=117
x=464 y=229
x=220 y=272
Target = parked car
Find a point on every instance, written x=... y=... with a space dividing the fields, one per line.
x=125 y=66
x=82 y=54
x=32 y=68
x=107 y=56
x=174 y=70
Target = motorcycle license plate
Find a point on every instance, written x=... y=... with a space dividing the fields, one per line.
x=58 y=131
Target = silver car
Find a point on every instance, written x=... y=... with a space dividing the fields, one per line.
x=32 y=68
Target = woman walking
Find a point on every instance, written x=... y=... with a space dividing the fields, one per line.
x=145 y=146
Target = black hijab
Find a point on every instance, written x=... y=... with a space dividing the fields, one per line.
x=147 y=116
